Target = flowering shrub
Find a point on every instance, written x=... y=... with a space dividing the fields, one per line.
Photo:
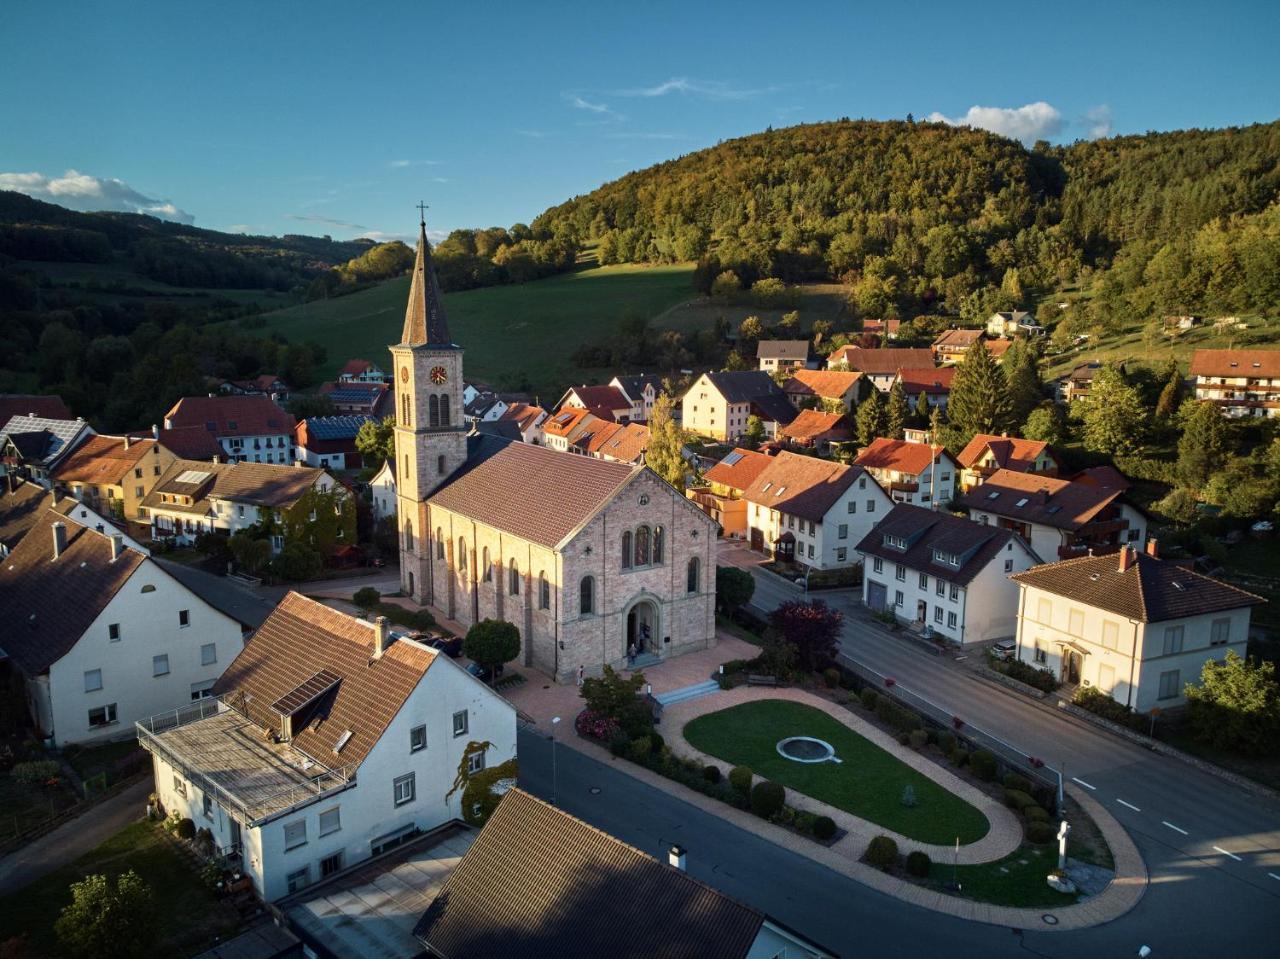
x=595 y=725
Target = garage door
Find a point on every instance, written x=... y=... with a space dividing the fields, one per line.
x=877 y=595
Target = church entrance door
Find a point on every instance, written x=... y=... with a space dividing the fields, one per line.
x=642 y=628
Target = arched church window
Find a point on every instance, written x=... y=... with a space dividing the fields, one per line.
x=439 y=543
x=657 y=545
x=642 y=546
x=408 y=535
x=404 y=410
x=587 y=595
x=513 y=579
x=626 y=549
x=440 y=464
x=488 y=568
x=433 y=411
x=406 y=466
x=544 y=591
x=444 y=409
x=694 y=575
x=461 y=559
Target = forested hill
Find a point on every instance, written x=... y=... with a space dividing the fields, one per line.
x=922 y=217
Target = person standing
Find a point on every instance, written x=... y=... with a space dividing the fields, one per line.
x=580 y=672
x=631 y=655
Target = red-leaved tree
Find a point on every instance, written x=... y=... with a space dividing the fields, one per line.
x=812 y=628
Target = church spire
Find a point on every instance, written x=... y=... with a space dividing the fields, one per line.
x=424 y=319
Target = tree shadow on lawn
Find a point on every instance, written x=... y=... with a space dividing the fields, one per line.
x=868 y=782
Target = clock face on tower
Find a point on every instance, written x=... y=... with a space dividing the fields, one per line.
x=438 y=375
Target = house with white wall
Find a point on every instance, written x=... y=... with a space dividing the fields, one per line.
x=641 y=391
x=1129 y=624
x=781 y=355
x=719 y=405
x=812 y=511
x=248 y=428
x=330 y=740
x=987 y=453
x=946 y=575
x=922 y=474
x=880 y=366
x=528 y=419
x=382 y=488
x=34 y=447
x=100 y=633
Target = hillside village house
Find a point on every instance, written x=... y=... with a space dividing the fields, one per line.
x=248 y=428
x=606 y=556
x=815 y=430
x=1013 y=322
x=916 y=473
x=722 y=488
x=33 y=447
x=886 y=328
x=188 y=443
x=1240 y=382
x=484 y=406
x=267 y=384
x=194 y=498
x=933 y=381
x=606 y=402
x=382 y=489
x=718 y=405
x=361 y=371
x=986 y=454
x=619 y=443
x=641 y=391
x=361 y=399
x=1075 y=386
x=947 y=575
x=113 y=474
x=824 y=388
x=1130 y=625
x=101 y=634
x=595 y=897
x=564 y=431
x=528 y=421
x=880 y=366
x=812 y=511
x=1059 y=518
x=775 y=355
x=951 y=345
x=329 y=740
x=329 y=442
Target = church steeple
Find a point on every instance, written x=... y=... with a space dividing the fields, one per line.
x=424 y=320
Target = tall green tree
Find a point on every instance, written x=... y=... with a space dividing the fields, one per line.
x=1046 y=423
x=492 y=642
x=897 y=412
x=1171 y=396
x=870 y=419
x=376 y=440
x=1203 y=446
x=754 y=435
x=1236 y=707
x=1023 y=378
x=108 y=919
x=922 y=409
x=666 y=441
x=1115 y=418
x=979 y=401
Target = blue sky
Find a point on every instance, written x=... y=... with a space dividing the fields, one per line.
x=336 y=118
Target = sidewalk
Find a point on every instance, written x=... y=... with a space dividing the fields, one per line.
x=73 y=839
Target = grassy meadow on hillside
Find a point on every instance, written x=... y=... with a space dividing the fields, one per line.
x=515 y=336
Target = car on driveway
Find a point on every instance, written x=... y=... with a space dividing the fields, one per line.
x=1005 y=649
x=451 y=646
x=484 y=673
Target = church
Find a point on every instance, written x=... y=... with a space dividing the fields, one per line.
x=590 y=559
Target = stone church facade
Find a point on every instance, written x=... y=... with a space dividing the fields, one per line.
x=588 y=558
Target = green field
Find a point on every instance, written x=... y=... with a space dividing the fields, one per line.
x=95 y=281
x=868 y=782
x=513 y=335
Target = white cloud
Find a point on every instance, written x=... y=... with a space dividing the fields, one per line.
x=404 y=164
x=239 y=228
x=327 y=221
x=1097 y=122
x=533 y=134
x=646 y=136
x=81 y=191
x=708 y=89
x=601 y=109
x=1034 y=121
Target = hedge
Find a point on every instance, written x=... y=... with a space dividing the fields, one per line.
x=767 y=799
x=1018 y=799
x=1041 y=679
x=918 y=863
x=824 y=827
x=1036 y=814
x=882 y=852
x=740 y=779
x=1039 y=832
x=1014 y=781
x=870 y=699
x=711 y=773
x=983 y=765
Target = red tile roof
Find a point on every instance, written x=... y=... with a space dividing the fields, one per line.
x=21 y=404
x=599 y=398
x=933 y=380
x=566 y=421
x=958 y=339
x=738 y=469
x=1047 y=500
x=829 y=384
x=103 y=459
x=1009 y=452
x=810 y=425
x=523 y=415
x=881 y=361
x=356 y=367
x=252 y=415
x=626 y=444
x=1233 y=363
x=997 y=348
x=803 y=486
x=899 y=455
x=188 y=443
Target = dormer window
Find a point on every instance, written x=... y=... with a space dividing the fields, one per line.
x=1021 y=502
x=993 y=495
x=895 y=542
x=945 y=558
x=765 y=487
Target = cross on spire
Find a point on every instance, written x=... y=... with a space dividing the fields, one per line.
x=422 y=212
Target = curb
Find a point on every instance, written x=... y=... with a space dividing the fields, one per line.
x=1007 y=682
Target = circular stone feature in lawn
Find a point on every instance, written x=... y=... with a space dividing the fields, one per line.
x=806 y=749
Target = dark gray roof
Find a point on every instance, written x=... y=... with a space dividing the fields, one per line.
x=743 y=386
x=241 y=603
x=335 y=427
x=925 y=530
x=633 y=385
x=782 y=349
x=507 y=429
x=19 y=510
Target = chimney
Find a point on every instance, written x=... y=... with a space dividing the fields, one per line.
x=128 y=440
x=117 y=546
x=59 y=539
x=57 y=495
x=1126 y=558
x=1153 y=547
x=155 y=431
x=676 y=857
x=381 y=636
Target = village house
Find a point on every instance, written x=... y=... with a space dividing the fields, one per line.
x=718 y=405
x=1012 y=322
x=194 y=497
x=916 y=473
x=986 y=453
x=606 y=558
x=188 y=443
x=812 y=511
x=880 y=366
x=564 y=431
x=997 y=348
x=268 y=384
x=33 y=447
x=528 y=421
x=641 y=391
x=596 y=897
x=23 y=505
x=329 y=740
x=1240 y=382
x=361 y=399
x=248 y=428
x=619 y=443
x=951 y=345
x=885 y=328
x=824 y=389
x=816 y=430
x=1132 y=626
x=933 y=381
x=113 y=474
x=382 y=491
x=101 y=634
x=1060 y=518
x=1075 y=386
x=361 y=371
x=329 y=442
x=484 y=406
x=606 y=402
x=783 y=355
x=720 y=493
x=946 y=575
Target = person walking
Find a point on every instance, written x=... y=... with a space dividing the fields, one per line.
x=580 y=672
x=631 y=655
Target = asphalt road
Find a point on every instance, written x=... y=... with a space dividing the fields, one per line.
x=1213 y=849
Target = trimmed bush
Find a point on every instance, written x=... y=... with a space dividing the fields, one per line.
x=767 y=799
x=1041 y=679
x=1018 y=799
x=831 y=676
x=740 y=779
x=842 y=697
x=884 y=709
x=1036 y=814
x=918 y=863
x=959 y=757
x=882 y=852
x=186 y=829
x=711 y=773
x=658 y=741
x=824 y=827
x=870 y=699
x=619 y=742
x=919 y=739
x=1014 y=781
x=983 y=765
x=805 y=821
x=904 y=737
x=946 y=742
x=640 y=748
x=1039 y=832
x=366 y=597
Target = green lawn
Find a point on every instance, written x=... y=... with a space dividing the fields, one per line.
x=1016 y=880
x=106 y=758
x=868 y=783
x=189 y=916
x=512 y=334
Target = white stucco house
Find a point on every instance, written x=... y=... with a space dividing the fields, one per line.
x=330 y=740
x=922 y=474
x=382 y=489
x=251 y=428
x=101 y=634
x=1133 y=626
x=946 y=575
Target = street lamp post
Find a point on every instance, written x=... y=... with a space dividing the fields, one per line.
x=555 y=720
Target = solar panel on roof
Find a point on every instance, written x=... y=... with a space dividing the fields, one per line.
x=732 y=458
x=192 y=476
x=305 y=692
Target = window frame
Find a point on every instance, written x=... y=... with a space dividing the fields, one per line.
x=320 y=830
x=87 y=674
x=295 y=829
x=208 y=654
x=461 y=729
x=155 y=661
x=416 y=732
x=401 y=796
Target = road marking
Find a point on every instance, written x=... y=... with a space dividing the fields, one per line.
x=1231 y=854
x=1083 y=783
x=1173 y=827
x=1273 y=875
x=1129 y=804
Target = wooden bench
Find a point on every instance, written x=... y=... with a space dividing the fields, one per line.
x=754 y=680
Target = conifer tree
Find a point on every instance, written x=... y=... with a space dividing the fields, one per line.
x=897 y=413
x=1171 y=395
x=870 y=421
x=1202 y=448
x=1023 y=377
x=922 y=409
x=979 y=401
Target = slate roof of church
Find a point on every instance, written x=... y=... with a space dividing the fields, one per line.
x=530 y=491
x=425 y=323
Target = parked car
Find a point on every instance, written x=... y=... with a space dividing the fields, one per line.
x=484 y=673
x=451 y=646
x=1005 y=649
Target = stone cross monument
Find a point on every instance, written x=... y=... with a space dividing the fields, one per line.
x=1063 y=831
